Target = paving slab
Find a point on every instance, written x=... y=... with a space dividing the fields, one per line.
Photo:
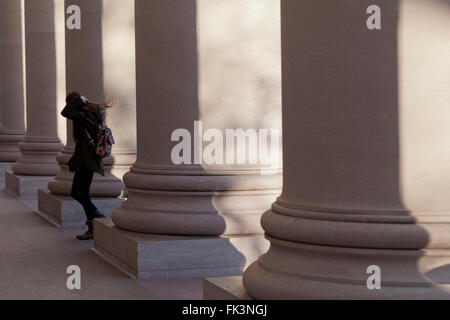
x=35 y=256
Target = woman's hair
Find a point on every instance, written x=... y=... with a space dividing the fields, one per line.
x=76 y=98
x=72 y=97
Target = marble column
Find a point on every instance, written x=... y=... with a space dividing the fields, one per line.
x=366 y=175
x=12 y=95
x=100 y=62
x=216 y=63
x=44 y=40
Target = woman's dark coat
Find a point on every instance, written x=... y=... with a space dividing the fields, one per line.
x=84 y=157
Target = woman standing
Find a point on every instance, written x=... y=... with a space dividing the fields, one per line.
x=87 y=120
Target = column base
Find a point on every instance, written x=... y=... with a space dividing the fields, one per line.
x=148 y=256
x=4 y=166
x=296 y=271
x=23 y=186
x=9 y=146
x=196 y=204
x=66 y=212
x=38 y=157
x=108 y=186
x=225 y=288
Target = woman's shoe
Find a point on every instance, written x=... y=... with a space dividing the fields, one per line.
x=89 y=234
x=99 y=215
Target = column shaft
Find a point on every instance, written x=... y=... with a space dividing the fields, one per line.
x=44 y=65
x=12 y=95
x=366 y=155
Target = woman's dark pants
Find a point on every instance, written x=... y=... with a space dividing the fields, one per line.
x=80 y=191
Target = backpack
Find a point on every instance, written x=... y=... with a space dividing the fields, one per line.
x=105 y=140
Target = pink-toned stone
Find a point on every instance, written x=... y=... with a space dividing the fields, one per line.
x=366 y=155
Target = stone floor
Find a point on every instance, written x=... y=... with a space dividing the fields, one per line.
x=35 y=254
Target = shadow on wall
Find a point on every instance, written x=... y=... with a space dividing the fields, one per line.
x=84 y=58
x=119 y=73
x=240 y=67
